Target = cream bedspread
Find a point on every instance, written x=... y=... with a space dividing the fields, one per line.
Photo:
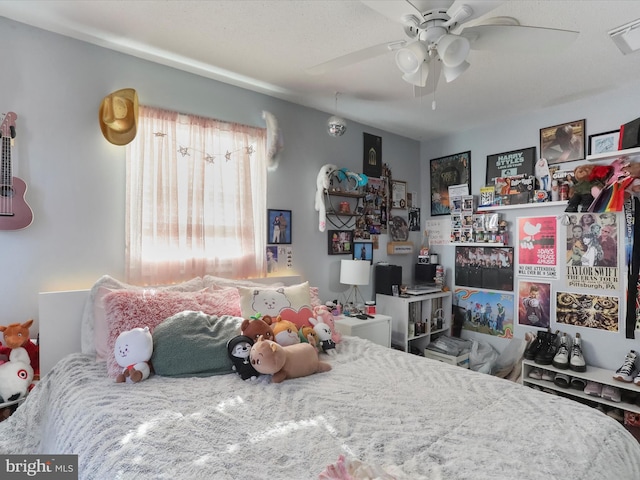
x=407 y=413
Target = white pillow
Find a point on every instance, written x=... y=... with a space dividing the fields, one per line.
x=89 y=340
x=272 y=300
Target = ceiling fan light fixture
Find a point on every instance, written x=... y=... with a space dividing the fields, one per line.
x=418 y=78
x=409 y=58
x=453 y=50
x=451 y=73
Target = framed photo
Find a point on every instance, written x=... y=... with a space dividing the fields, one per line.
x=564 y=142
x=604 y=142
x=340 y=242
x=372 y=159
x=398 y=194
x=447 y=171
x=511 y=163
x=279 y=226
x=363 y=251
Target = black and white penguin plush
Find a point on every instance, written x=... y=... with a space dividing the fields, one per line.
x=238 y=349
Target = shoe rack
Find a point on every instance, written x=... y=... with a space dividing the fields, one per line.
x=599 y=375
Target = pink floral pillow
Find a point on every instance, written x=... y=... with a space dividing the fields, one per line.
x=127 y=309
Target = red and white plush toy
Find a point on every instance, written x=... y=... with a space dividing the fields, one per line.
x=293 y=361
x=133 y=351
x=16 y=335
x=15 y=376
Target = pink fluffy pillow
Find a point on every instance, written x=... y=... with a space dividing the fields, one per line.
x=127 y=309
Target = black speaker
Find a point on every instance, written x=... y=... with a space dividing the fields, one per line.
x=386 y=277
x=424 y=273
x=630 y=135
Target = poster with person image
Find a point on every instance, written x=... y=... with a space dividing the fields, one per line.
x=534 y=304
x=592 y=259
x=485 y=311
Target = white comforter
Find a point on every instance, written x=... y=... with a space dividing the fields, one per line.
x=405 y=413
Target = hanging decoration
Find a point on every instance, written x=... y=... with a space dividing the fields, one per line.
x=210 y=157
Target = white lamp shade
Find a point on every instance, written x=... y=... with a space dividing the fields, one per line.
x=355 y=272
x=411 y=57
x=453 y=50
x=451 y=73
x=418 y=78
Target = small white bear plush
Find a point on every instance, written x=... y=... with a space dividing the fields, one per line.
x=15 y=376
x=133 y=351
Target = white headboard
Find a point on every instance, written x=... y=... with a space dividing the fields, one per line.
x=60 y=317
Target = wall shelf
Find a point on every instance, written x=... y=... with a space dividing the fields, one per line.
x=629 y=152
x=521 y=205
x=477 y=244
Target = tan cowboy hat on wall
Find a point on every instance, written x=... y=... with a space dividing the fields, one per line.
x=118 y=116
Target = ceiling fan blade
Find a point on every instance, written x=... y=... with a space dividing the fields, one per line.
x=518 y=38
x=393 y=9
x=479 y=7
x=355 y=57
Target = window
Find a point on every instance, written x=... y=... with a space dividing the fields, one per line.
x=196 y=199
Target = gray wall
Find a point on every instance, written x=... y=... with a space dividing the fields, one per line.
x=76 y=179
x=602 y=113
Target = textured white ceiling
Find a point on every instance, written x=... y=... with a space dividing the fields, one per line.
x=267 y=45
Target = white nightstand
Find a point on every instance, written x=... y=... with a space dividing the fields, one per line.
x=376 y=329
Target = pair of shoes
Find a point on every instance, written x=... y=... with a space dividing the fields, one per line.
x=578 y=383
x=562 y=380
x=534 y=347
x=569 y=356
x=536 y=374
x=593 y=388
x=611 y=393
x=548 y=348
x=628 y=369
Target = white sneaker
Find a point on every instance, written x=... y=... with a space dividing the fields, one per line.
x=628 y=369
x=577 y=363
x=536 y=374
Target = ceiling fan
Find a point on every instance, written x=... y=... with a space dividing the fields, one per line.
x=440 y=38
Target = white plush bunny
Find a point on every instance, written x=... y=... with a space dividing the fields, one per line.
x=322 y=183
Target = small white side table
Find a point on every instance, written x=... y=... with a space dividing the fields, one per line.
x=376 y=329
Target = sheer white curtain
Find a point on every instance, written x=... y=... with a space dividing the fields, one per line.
x=196 y=199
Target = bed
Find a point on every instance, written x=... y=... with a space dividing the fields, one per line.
x=408 y=416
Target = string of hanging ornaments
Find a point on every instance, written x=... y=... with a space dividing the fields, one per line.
x=336 y=126
x=209 y=157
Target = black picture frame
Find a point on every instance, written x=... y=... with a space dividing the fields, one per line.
x=340 y=242
x=511 y=163
x=564 y=142
x=446 y=171
x=372 y=155
x=604 y=142
x=485 y=267
x=363 y=251
x=275 y=233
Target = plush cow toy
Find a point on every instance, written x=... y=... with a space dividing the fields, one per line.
x=15 y=376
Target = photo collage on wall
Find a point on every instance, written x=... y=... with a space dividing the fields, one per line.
x=590 y=261
x=279 y=253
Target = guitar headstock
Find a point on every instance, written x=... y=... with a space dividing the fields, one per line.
x=8 y=127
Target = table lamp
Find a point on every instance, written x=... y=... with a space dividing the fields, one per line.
x=354 y=273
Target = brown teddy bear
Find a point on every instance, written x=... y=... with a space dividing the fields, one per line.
x=256 y=326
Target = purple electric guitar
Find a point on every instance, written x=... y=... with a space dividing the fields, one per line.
x=14 y=211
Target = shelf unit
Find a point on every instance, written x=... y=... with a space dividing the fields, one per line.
x=477 y=244
x=376 y=329
x=492 y=208
x=594 y=374
x=629 y=152
x=344 y=220
x=406 y=310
